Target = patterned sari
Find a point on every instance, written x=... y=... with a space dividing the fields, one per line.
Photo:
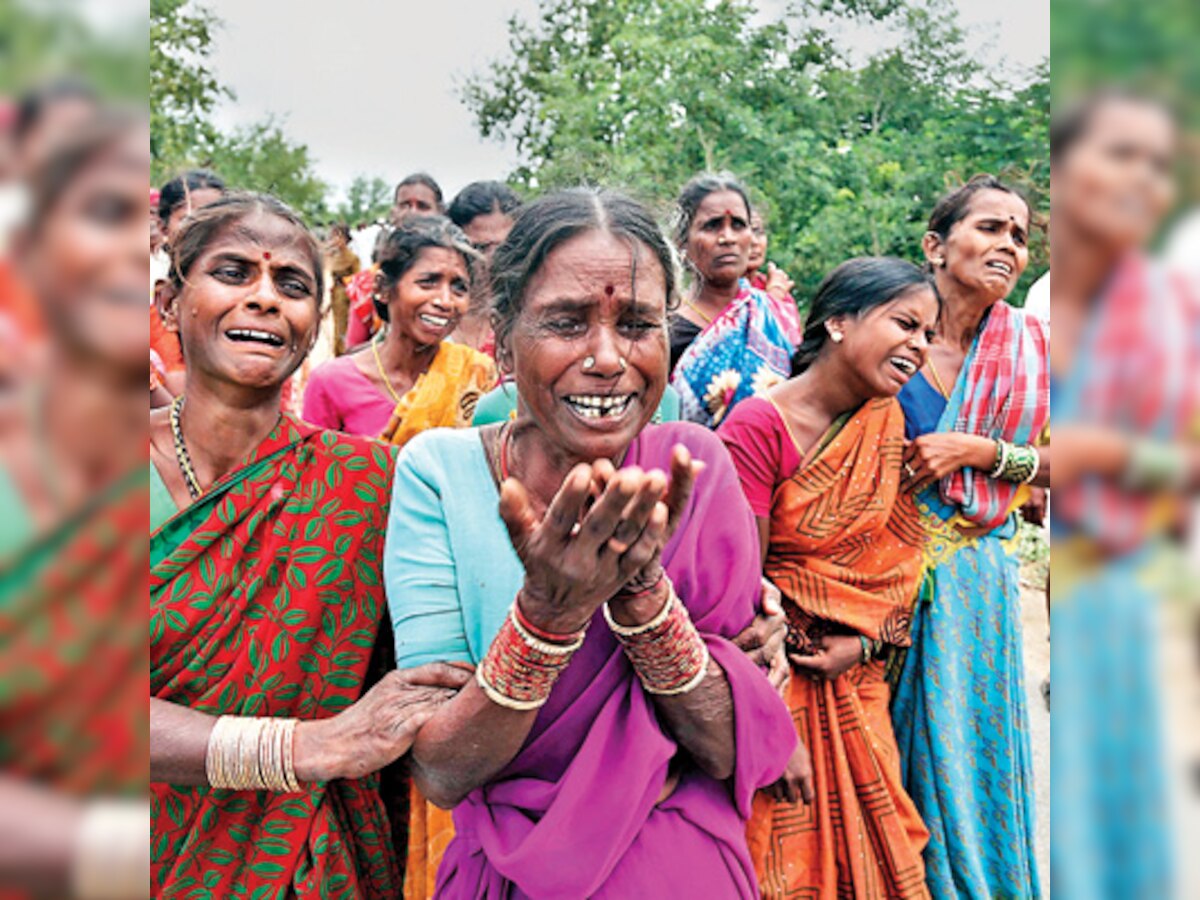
x=960 y=705
x=742 y=352
x=445 y=396
x=1134 y=372
x=266 y=599
x=73 y=650
x=845 y=550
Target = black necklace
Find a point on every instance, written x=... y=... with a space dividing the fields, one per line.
x=181 y=453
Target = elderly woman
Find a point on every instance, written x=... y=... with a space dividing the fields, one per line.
x=974 y=414
x=265 y=595
x=730 y=340
x=613 y=736
x=411 y=378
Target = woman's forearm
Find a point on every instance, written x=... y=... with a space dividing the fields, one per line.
x=701 y=721
x=178 y=743
x=465 y=744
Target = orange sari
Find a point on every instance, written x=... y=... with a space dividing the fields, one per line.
x=445 y=396
x=845 y=549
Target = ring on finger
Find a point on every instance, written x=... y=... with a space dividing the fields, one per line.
x=909 y=471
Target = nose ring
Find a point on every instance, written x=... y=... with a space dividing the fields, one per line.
x=624 y=363
x=589 y=362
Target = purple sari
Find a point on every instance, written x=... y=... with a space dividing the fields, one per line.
x=574 y=814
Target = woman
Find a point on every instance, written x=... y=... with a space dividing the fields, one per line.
x=729 y=340
x=265 y=597
x=633 y=695
x=1125 y=411
x=177 y=198
x=341 y=264
x=416 y=195
x=774 y=281
x=73 y=569
x=412 y=378
x=484 y=211
x=974 y=414
x=819 y=460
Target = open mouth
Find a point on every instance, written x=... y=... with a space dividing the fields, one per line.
x=435 y=322
x=254 y=336
x=599 y=406
x=1000 y=266
x=904 y=366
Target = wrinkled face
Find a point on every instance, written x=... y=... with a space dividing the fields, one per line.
x=718 y=243
x=589 y=347
x=1116 y=182
x=988 y=248
x=247 y=312
x=431 y=298
x=414 y=200
x=87 y=262
x=195 y=200
x=487 y=232
x=888 y=343
x=758 y=243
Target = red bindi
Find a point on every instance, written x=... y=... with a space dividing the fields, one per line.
x=266 y=254
x=609 y=289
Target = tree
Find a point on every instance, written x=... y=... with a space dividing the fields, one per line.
x=367 y=200
x=849 y=159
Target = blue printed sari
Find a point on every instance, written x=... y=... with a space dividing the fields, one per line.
x=959 y=709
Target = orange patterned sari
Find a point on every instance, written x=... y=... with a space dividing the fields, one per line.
x=845 y=550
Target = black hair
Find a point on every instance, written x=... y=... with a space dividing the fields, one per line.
x=954 y=206
x=552 y=220
x=206 y=224
x=404 y=245
x=340 y=228
x=693 y=195
x=71 y=156
x=1068 y=127
x=480 y=198
x=853 y=288
x=421 y=178
x=33 y=105
x=175 y=192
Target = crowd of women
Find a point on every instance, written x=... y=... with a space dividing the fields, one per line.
x=590 y=567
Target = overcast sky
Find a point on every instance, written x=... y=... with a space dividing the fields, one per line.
x=371 y=87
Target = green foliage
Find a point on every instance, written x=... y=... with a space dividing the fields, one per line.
x=642 y=94
x=367 y=200
x=41 y=42
x=183 y=94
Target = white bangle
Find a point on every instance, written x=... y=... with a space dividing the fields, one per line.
x=112 y=851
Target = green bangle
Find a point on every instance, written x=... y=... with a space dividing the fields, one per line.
x=1154 y=466
x=866 y=649
x=1021 y=464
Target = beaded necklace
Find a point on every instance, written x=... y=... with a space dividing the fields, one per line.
x=181 y=452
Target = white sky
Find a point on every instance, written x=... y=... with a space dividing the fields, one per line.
x=370 y=87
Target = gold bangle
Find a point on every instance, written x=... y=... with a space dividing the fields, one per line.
x=634 y=630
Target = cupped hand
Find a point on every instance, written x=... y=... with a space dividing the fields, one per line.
x=833 y=655
x=380 y=727
x=796 y=783
x=763 y=640
x=583 y=550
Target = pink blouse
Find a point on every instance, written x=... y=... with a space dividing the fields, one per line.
x=340 y=397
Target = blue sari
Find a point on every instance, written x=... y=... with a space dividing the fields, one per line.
x=959 y=708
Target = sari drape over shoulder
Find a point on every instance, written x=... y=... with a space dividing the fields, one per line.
x=575 y=813
x=73 y=658
x=960 y=713
x=445 y=396
x=266 y=601
x=742 y=352
x=846 y=552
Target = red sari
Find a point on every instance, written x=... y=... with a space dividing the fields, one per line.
x=266 y=600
